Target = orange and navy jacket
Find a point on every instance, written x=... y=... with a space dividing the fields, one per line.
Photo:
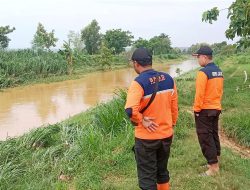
x=163 y=109
x=209 y=88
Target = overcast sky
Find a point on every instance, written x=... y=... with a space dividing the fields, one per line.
x=180 y=19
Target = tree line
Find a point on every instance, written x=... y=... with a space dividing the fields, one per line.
x=90 y=40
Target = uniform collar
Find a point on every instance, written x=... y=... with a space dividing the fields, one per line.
x=209 y=64
x=147 y=71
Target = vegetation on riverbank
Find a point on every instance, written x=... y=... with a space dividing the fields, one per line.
x=235 y=118
x=29 y=66
x=25 y=66
x=93 y=149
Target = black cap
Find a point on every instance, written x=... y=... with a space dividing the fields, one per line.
x=142 y=56
x=204 y=50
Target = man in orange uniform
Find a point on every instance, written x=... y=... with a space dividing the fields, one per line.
x=154 y=126
x=207 y=107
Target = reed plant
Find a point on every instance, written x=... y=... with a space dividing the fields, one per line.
x=26 y=65
x=18 y=66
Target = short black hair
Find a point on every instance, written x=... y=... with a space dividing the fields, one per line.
x=204 y=50
x=209 y=57
x=142 y=56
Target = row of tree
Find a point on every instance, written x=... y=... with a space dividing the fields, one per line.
x=90 y=40
x=221 y=48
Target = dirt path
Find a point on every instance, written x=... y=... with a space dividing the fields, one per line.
x=230 y=143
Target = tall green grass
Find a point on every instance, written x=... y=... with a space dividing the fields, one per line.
x=237 y=126
x=236 y=100
x=26 y=65
x=19 y=66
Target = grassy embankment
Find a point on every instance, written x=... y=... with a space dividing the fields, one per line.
x=93 y=149
x=235 y=119
x=21 y=67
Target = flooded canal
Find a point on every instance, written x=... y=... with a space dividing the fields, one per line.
x=25 y=108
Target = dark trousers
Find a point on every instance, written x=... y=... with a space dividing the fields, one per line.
x=207 y=131
x=152 y=160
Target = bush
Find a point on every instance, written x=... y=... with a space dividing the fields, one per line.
x=219 y=60
x=237 y=126
x=243 y=59
x=20 y=65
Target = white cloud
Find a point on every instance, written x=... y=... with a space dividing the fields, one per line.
x=181 y=19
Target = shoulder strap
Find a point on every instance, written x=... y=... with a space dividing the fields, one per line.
x=153 y=95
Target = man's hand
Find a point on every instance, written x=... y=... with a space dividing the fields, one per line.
x=149 y=124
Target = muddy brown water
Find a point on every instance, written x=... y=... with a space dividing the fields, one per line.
x=28 y=107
